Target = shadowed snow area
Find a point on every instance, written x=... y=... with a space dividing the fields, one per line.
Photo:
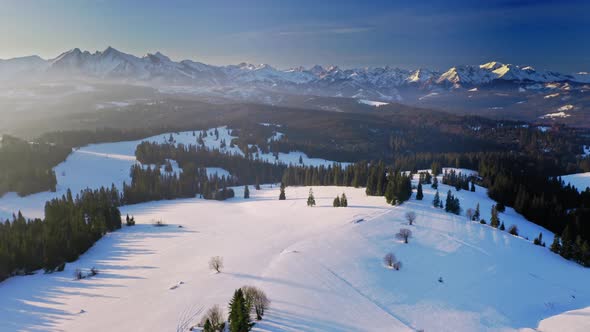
x=321 y=267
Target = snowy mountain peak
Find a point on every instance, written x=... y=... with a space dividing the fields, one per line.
x=493 y=65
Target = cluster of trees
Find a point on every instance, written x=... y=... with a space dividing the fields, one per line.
x=353 y=175
x=457 y=180
x=570 y=246
x=244 y=169
x=340 y=201
x=391 y=261
x=71 y=226
x=27 y=167
x=150 y=184
x=379 y=180
x=452 y=203
x=245 y=302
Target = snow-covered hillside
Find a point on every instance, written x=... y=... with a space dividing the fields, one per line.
x=321 y=267
x=580 y=180
x=100 y=165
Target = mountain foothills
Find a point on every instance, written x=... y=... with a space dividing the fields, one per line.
x=491 y=89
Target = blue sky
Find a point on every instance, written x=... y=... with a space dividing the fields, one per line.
x=547 y=34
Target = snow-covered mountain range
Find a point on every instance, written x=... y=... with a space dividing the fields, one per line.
x=113 y=64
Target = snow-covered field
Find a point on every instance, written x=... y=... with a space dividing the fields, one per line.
x=372 y=102
x=104 y=164
x=321 y=267
x=580 y=180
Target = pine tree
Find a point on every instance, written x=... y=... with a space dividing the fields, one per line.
x=301 y=160
x=239 y=315
x=494 y=220
x=344 y=200
x=419 y=194
x=434 y=183
x=472 y=186
x=476 y=214
x=336 y=202
x=449 y=202
x=246 y=192
x=207 y=326
x=502 y=227
x=436 y=200
x=282 y=196
x=310 y=198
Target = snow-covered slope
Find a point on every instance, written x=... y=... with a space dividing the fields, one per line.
x=321 y=268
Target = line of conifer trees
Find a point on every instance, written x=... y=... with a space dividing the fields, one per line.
x=70 y=227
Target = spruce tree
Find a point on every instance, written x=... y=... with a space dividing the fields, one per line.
x=494 y=220
x=436 y=200
x=434 y=183
x=207 y=326
x=336 y=202
x=502 y=227
x=239 y=315
x=282 y=196
x=310 y=198
x=449 y=202
x=476 y=214
x=246 y=192
x=472 y=186
x=419 y=193
x=344 y=200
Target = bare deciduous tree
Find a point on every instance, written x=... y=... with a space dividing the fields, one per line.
x=215 y=317
x=404 y=234
x=216 y=263
x=256 y=299
x=411 y=217
x=389 y=259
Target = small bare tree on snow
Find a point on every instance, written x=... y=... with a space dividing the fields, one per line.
x=215 y=317
x=216 y=263
x=389 y=259
x=411 y=217
x=404 y=234
x=256 y=300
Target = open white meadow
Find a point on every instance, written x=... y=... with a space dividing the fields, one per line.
x=321 y=267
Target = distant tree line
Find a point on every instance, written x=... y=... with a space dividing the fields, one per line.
x=245 y=170
x=27 y=167
x=150 y=184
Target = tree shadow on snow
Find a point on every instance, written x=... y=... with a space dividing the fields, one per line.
x=39 y=302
